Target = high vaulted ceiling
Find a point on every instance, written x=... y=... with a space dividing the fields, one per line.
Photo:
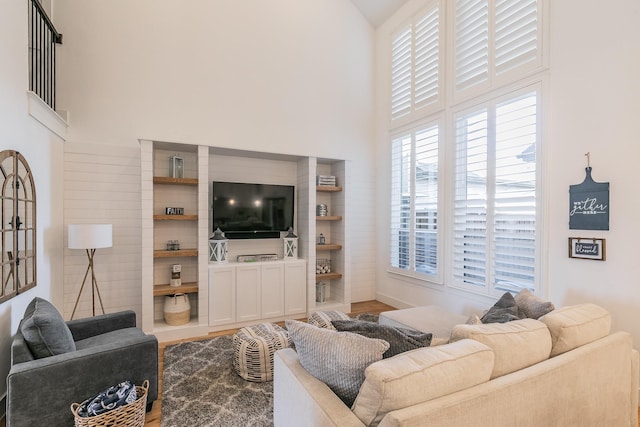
x=377 y=11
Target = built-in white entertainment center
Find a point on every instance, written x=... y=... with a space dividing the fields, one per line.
x=178 y=216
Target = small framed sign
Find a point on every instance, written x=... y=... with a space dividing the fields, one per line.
x=580 y=247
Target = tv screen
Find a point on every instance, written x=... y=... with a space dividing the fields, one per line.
x=249 y=211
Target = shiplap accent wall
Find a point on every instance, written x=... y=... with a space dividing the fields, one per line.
x=102 y=185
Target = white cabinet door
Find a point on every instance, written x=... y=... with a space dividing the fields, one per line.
x=222 y=295
x=295 y=287
x=272 y=289
x=247 y=292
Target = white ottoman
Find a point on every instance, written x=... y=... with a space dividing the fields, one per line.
x=428 y=318
x=253 y=348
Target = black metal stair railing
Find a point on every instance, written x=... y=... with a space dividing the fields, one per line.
x=43 y=37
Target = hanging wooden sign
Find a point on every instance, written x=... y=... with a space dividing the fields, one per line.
x=589 y=204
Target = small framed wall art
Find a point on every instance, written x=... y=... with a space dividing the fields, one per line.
x=587 y=248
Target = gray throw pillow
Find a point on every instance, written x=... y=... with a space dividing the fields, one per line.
x=338 y=359
x=504 y=310
x=531 y=305
x=399 y=339
x=45 y=331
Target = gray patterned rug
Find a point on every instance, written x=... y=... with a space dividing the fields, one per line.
x=200 y=388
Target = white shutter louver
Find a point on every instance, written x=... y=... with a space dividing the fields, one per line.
x=516 y=40
x=514 y=234
x=401 y=71
x=427 y=51
x=426 y=201
x=471 y=43
x=470 y=209
x=400 y=201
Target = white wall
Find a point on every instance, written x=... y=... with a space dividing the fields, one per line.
x=283 y=76
x=594 y=101
x=43 y=151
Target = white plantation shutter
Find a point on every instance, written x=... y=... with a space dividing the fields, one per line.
x=470 y=202
x=495 y=200
x=492 y=38
x=516 y=39
x=514 y=225
x=401 y=72
x=427 y=51
x=471 y=43
x=414 y=201
x=415 y=63
x=426 y=200
x=400 y=201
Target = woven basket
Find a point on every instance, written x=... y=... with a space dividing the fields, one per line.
x=129 y=415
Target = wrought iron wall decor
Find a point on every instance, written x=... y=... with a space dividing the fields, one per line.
x=18 y=230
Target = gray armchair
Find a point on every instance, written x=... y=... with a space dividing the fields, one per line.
x=55 y=363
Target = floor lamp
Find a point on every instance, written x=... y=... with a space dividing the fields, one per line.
x=90 y=237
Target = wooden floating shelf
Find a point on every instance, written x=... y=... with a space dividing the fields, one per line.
x=185 y=288
x=328 y=189
x=172 y=254
x=175 y=217
x=328 y=247
x=328 y=276
x=169 y=180
x=329 y=218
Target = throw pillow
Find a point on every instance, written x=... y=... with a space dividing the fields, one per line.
x=45 y=331
x=322 y=319
x=336 y=358
x=399 y=339
x=504 y=310
x=531 y=305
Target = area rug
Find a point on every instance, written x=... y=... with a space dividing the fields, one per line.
x=201 y=389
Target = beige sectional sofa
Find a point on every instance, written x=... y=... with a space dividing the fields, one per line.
x=565 y=369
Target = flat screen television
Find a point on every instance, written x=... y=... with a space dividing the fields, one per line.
x=252 y=211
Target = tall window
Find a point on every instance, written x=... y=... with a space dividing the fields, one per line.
x=494 y=212
x=488 y=197
x=414 y=201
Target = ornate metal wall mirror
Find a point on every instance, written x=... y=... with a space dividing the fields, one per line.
x=18 y=240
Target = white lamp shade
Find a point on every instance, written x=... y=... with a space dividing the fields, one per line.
x=90 y=236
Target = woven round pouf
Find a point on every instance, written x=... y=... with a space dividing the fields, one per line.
x=253 y=348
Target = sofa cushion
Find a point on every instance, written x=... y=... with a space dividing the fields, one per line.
x=336 y=358
x=421 y=375
x=576 y=325
x=431 y=319
x=118 y=335
x=399 y=339
x=516 y=344
x=504 y=310
x=322 y=319
x=44 y=330
x=531 y=305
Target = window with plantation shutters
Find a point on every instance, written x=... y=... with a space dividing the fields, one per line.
x=494 y=41
x=414 y=201
x=415 y=64
x=495 y=212
x=473 y=222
